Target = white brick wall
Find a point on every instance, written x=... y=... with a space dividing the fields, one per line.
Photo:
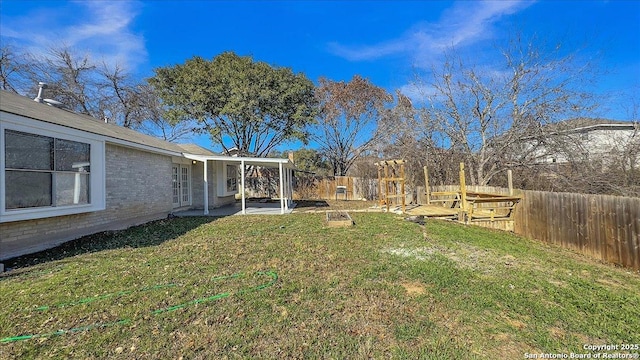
x=138 y=189
x=198 y=187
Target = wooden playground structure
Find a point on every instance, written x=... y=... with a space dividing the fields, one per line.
x=391 y=183
x=461 y=205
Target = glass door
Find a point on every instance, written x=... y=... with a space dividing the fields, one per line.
x=185 y=189
x=180 y=185
x=175 y=185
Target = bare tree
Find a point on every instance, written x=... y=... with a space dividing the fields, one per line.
x=14 y=70
x=489 y=116
x=71 y=78
x=150 y=116
x=105 y=92
x=349 y=113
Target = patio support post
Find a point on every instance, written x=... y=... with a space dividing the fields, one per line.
x=281 y=188
x=244 y=205
x=206 y=189
x=286 y=189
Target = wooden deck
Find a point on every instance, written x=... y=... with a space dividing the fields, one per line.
x=484 y=209
x=480 y=207
x=434 y=211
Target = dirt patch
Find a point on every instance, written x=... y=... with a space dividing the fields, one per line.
x=468 y=257
x=558 y=283
x=557 y=333
x=338 y=216
x=516 y=323
x=414 y=288
x=511 y=349
x=508 y=260
x=421 y=254
x=609 y=282
x=502 y=337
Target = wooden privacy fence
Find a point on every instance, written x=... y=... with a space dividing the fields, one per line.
x=602 y=226
x=354 y=188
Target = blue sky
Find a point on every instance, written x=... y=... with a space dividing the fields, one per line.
x=384 y=41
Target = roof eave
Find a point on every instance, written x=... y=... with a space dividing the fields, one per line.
x=267 y=162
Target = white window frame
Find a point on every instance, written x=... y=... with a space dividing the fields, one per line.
x=97 y=196
x=222 y=178
x=233 y=176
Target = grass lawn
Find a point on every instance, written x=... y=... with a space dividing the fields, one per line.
x=385 y=288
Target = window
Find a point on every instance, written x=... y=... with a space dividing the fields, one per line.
x=232 y=178
x=48 y=170
x=44 y=171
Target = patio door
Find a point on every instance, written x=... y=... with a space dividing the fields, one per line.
x=181 y=185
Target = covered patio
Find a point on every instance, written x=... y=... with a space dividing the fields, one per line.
x=285 y=171
x=251 y=208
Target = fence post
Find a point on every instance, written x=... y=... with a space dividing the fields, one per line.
x=426 y=185
x=386 y=186
x=380 y=185
x=510 y=181
x=462 y=214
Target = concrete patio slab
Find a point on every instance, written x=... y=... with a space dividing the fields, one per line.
x=252 y=208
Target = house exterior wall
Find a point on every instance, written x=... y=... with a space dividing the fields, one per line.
x=213 y=177
x=593 y=144
x=197 y=189
x=138 y=190
x=602 y=142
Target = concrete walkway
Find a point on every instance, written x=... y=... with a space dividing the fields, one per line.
x=252 y=208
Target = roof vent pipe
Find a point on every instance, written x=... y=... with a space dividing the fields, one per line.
x=41 y=87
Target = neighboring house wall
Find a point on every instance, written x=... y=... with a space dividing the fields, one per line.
x=138 y=190
x=587 y=144
x=602 y=141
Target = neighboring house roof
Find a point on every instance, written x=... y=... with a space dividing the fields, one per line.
x=578 y=125
x=23 y=106
x=588 y=124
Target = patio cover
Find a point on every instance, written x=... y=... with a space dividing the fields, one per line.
x=285 y=167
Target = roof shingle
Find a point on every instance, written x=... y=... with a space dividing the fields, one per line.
x=23 y=106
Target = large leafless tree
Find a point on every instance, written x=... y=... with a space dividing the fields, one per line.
x=488 y=115
x=349 y=116
x=106 y=92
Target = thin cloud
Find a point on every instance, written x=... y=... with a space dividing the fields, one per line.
x=418 y=93
x=421 y=90
x=101 y=28
x=465 y=23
